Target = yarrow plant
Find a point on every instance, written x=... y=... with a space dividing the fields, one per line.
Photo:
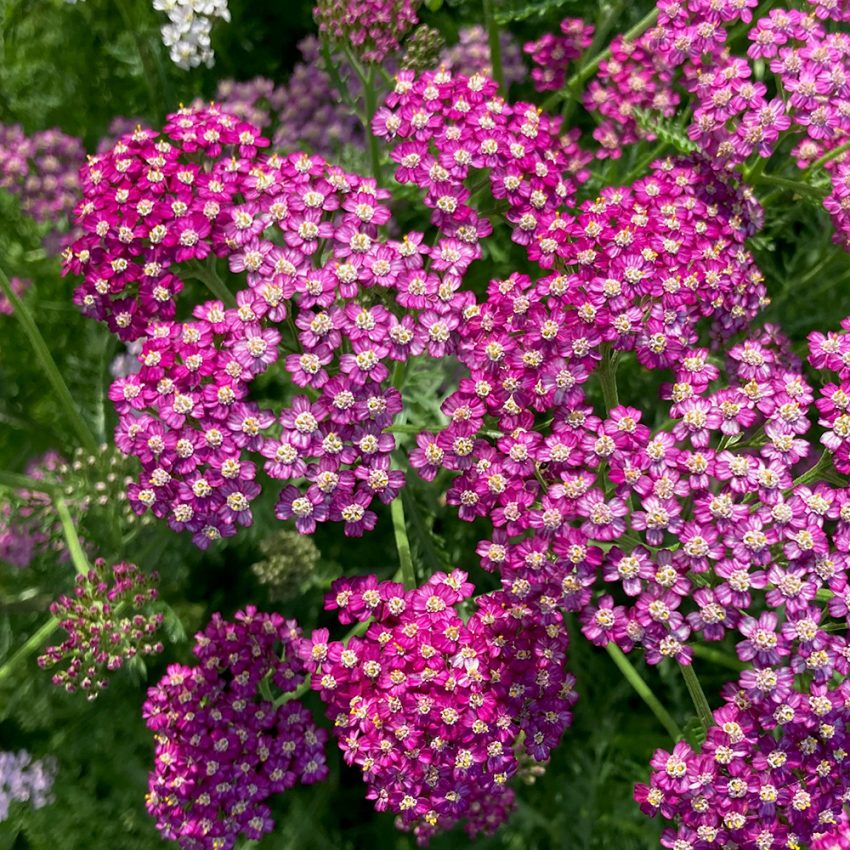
x=187 y=35
x=24 y=780
x=42 y=171
x=441 y=340
x=225 y=743
x=108 y=622
x=437 y=711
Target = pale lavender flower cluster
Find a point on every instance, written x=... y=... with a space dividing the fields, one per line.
x=229 y=733
x=311 y=113
x=28 y=527
x=24 y=780
x=471 y=55
x=304 y=113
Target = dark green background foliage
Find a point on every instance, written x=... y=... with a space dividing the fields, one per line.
x=78 y=66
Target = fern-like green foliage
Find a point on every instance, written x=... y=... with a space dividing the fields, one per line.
x=670 y=131
x=509 y=11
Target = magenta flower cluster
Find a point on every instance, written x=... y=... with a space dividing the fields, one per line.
x=736 y=115
x=147 y=206
x=635 y=77
x=770 y=557
x=41 y=170
x=225 y=743
x=108 y=621
x=435 y=710
x=359 y=305
x=443 y=129
x=552 y=53
x=373 y=29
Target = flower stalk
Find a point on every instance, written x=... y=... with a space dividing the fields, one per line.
x=72 y=539
x=48 y=364
x=643 y=690
x=697 y=695
x=492 y=28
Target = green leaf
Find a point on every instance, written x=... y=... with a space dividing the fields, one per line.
x=521 y=10
x=670 y=132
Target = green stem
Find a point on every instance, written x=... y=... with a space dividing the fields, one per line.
x=608 y=377
x=697 y=695
x=48 y=364
x=592 y=66
x=402 y=543
x=644 y=691
x=792 y=185
x=370 y=99
x=643 y=164
x=803 y=281
x=752 y=175
x=828 y=157
x=35 y=641
x=811 y=474
x=144 y=58
x=604 y=23
x=209 y=277
x=370 y=103
x=336 y=78
x=717 y=656
x=25 y=482
x=495 y=47
x=72 y=540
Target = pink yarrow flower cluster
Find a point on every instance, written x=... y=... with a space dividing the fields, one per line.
x=372 y=28
x=108 y=622
x=153 y=202
x=225 y=744
x=436 y=711
x=444 y=129
x=773 y=771
x=308 y=238
x=42 y=171
x=552 y=53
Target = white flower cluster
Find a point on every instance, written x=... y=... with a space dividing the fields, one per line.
x=187 y=33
